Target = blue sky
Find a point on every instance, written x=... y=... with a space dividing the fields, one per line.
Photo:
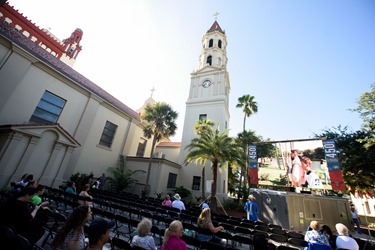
x=306 y=62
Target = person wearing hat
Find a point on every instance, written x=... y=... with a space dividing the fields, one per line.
x=177 y=203
x=205 y=205
x=99 y=233
x=251 y=209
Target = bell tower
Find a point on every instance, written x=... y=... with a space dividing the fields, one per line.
x=72 y=47
x=208 y=99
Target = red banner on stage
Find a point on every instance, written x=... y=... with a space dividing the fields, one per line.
x=253 y=176
x=337 y=181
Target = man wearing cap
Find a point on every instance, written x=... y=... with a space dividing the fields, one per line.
x=177 y=203
x=251 y=209
x=99 y=233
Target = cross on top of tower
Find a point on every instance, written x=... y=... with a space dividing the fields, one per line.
x=152 y=91
x=216 y=14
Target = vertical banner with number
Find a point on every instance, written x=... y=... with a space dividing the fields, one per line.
x=253 y=165
x=335 y=174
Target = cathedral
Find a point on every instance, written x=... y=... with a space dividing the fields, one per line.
x=54 y=122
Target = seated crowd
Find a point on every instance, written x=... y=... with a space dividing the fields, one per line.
x=26 y=213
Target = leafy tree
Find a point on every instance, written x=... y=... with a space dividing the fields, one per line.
x=121 y=178
x=366 y=108
x=161 y=123
x=216 y=147
x=316 y=154
x=265 y=149
x=355 y=159
x=233 y=180
x=200 y=128
x=249 y=107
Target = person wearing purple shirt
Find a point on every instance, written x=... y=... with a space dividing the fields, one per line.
x=167 y=201
x=172 y=237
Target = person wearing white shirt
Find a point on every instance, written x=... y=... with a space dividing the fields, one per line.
x=177 y=203
x=343 y=239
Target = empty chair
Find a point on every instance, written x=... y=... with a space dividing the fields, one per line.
x=225 y=235
x=221 y=219
x=263 y=228
x=278 y=238
x=248 y=224
x=295 y=235
x=297 y=242
x=122 y=225
x=8 y=237
x=282 y=247
x=271 y=246
x=158 y=220
x=56 y=221
x=242 y=230
x=242 y=240
x=260 y=240
x=234 y=222
x=260 y=234
x=117 y=243
x=133 y=223
x=157 y=235
x=261 y=223
x=191 y=241
x=146 y=214
x=227 y=227
x=208 y=245
x=185 y=217
x=173 y=214
x=23 y=243
x=270 y=225
x=278 y=231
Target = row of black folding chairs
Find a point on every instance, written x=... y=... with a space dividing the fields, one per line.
x=11 y=240
x=126 y=226
x=238 y=235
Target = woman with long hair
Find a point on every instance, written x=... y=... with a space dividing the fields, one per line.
x=172 y=237
x=205 y=222
x=71 y=235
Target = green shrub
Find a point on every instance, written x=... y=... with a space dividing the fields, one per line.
x=81 y=179
x=183 y=192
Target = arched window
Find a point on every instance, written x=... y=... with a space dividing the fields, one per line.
x=209 y=60
x=211 y=43
x=219 y=44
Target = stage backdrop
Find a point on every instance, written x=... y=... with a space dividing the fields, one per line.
x=325 y=166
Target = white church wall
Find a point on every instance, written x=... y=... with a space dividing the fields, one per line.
x=25 y=79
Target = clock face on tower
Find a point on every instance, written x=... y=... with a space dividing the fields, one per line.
x=206 y=84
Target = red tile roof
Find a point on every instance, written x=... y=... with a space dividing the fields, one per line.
x=215 y=27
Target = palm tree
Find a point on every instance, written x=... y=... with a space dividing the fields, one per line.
x=121 y=179
x=200 y=128
x=161 y=123
x=249 y=107
x=216 y=147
